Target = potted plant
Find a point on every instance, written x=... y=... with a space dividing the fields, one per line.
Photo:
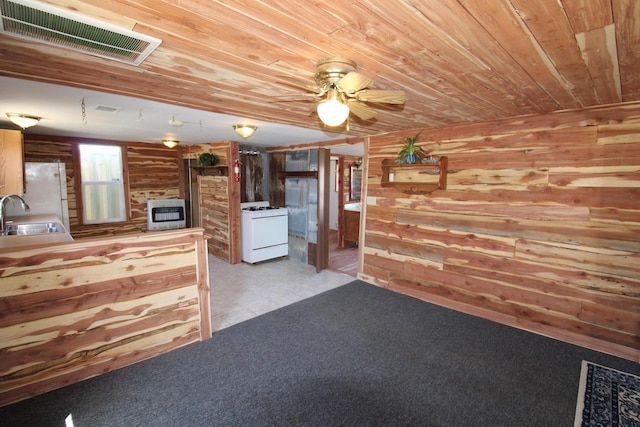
x=207 y=159
x=410 y=151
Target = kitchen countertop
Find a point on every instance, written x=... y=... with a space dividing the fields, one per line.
x=7 y=242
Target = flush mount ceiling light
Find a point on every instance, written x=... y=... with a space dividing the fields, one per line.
x=23 y=120
x=332 y=111
x=171 y=143
x=245 y=131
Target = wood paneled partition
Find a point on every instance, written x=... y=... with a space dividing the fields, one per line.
x=538 y=228
x=219 y=200
x=76 y=310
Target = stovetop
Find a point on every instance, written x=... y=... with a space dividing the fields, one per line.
x=262 y=209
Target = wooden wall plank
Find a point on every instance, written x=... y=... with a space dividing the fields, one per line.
x=627 y=16
x=501 y=20
x=538 y=228
x=214 y=214
x=587 y=15
x=79 y=309
x=602 y=67
x=599 y=260
x=553 y=32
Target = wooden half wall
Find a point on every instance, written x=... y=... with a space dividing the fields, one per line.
x=538 y=228
x=76 y=310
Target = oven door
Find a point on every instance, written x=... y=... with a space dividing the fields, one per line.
x=268 y=231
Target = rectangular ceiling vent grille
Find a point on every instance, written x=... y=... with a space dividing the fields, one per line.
x=106 y=109
x=31 y=20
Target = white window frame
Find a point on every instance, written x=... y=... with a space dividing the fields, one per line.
x=119 y=182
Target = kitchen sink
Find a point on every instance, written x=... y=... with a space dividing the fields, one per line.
x=33 y=228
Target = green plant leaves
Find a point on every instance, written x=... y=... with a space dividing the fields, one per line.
x=207 y=159
x=410 y=147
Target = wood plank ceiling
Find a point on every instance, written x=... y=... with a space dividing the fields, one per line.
x=458 y=61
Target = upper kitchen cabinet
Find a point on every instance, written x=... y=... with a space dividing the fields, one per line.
x=11 y=162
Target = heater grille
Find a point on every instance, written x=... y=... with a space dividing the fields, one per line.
x=31 y=20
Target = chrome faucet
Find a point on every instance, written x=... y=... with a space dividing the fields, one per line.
x=11 y=197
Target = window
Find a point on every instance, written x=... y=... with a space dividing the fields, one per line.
x=102 y=184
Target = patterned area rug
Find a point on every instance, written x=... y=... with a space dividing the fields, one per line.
x=607 y=397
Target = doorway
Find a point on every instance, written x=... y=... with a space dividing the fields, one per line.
x=345 y=200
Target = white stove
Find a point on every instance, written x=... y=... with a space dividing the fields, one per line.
x=265 y=231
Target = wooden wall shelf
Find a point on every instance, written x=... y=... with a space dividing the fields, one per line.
x=419 y=178
x=217 y=170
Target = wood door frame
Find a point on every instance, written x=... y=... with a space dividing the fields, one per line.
x=324 y=184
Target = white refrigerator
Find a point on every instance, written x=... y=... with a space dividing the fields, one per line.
x=45 y=192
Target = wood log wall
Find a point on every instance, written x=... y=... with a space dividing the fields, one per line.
x=76 y=310
x=538 y=228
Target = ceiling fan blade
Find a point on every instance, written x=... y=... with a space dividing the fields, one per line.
x=300 y=83
x=295 y=97
x=354 y=82
x=361 y=110
x=382 y=96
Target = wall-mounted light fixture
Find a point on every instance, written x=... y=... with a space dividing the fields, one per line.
x=332 y=111
x=23 y=120
x=245 y=131
x=171 y=143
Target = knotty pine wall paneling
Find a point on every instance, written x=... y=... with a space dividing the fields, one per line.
x=154 y=173
x=219 y=201
x=79 y=309
x=539 y=226
x=214 y=214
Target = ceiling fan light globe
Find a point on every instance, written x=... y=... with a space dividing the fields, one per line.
x=332 y=112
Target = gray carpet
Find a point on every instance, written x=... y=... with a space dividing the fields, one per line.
x=357 y=355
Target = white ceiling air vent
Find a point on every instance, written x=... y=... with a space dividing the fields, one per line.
x=38 y=22
x=106 y=109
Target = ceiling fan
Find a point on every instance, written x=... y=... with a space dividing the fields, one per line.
x=178 y=123
x=344 y=91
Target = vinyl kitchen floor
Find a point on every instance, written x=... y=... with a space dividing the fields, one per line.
x=242 y=291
